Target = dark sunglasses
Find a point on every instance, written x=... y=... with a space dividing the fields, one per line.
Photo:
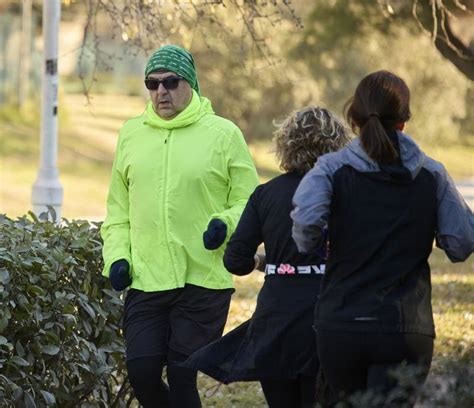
x=169 y=83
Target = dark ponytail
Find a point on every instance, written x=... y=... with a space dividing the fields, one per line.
x=380 y=102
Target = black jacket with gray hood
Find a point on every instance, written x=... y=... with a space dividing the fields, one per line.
x=382 y=220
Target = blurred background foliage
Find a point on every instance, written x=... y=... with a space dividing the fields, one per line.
x=257 y=61
x=256 y=77
x=282 y=64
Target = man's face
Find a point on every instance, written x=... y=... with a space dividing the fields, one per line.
x=168 y=103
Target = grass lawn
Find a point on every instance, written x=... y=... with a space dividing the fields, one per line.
x=87 y=139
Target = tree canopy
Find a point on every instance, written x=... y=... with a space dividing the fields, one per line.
x=143 y=23
x=257 y=60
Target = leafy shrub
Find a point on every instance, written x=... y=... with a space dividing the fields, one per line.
x=453 y=389
x=60 y=340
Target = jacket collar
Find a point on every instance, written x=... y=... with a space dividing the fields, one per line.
x=411 y=156
x=197 y=108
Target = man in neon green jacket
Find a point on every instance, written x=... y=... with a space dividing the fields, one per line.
x=180 y=180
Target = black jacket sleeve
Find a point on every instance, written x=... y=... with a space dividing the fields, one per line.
x=241 y=248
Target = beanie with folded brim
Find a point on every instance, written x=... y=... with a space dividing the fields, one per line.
x=175 y=59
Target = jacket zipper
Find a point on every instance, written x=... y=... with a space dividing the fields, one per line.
x=165 y=192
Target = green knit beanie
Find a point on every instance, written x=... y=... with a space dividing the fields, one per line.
x=175 y=59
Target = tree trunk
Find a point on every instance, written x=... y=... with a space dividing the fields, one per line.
x=453 y=49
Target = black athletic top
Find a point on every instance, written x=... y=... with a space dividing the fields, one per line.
x=266 y=218
x=382 y=222
x=278 y=342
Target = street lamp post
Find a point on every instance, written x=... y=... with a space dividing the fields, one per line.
x=47 y=189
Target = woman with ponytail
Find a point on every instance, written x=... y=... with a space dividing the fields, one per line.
x=384 y=202
x=379 y=114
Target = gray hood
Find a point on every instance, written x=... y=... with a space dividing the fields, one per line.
x=412 y=158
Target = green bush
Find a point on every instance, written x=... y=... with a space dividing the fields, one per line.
x=454 y=389
x=60 y=340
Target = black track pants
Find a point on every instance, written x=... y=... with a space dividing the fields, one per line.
x=359 y=361
x=300 y=393
x=182 y=382
x=145 y=376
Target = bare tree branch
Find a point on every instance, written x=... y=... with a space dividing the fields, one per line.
x=455 y=50
x=439 y=28
x=144 y=24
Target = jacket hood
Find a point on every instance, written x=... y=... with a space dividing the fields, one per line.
x=410 y=163
x=197 y=108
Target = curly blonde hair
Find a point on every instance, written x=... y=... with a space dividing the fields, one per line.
x=307 y=134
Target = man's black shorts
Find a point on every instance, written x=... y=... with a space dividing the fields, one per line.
x=183 y=320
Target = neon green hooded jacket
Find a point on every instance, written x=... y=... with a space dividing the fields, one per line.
x=169 y=179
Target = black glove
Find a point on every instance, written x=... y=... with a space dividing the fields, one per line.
x=120 y=275
x=215 y=234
